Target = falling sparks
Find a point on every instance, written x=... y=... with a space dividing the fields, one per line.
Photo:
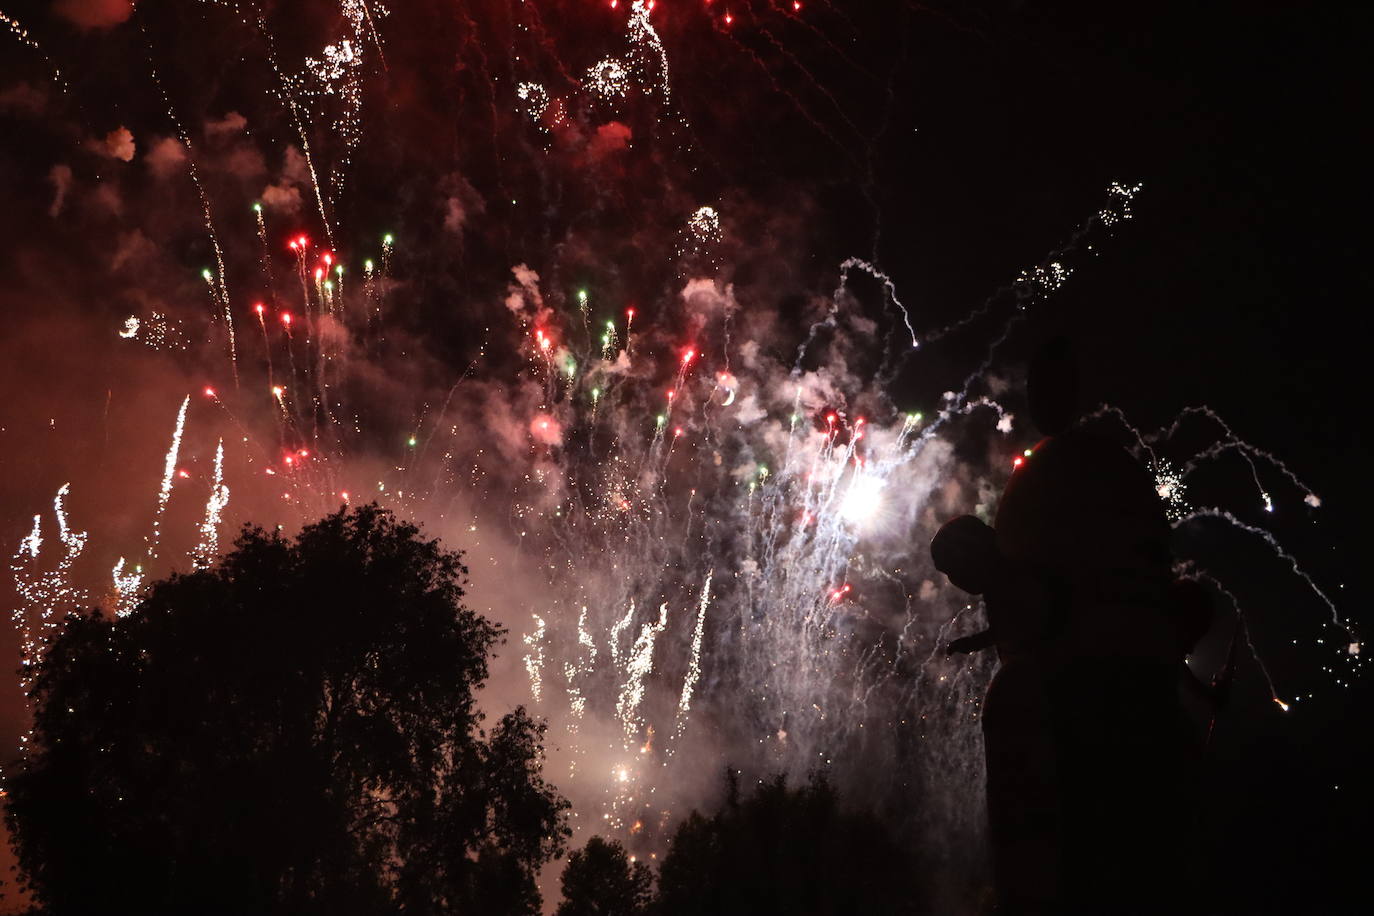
x=155 y=330
x=169 y=467
x=1171 y=488
x=619 y=627
x=534 y=100
x=644 y=38
x=704 y=225
x=207 y=547
x=44 y=594
x=608 y=79
x=689 y=683
x=577 y=669
x=22 y=35
x=333 y=83
x=1336 y=622
x=1042 y=280
x=534 y=658
x=1120 y=207
x=637 y=667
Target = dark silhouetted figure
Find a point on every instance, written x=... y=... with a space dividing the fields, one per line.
x=1022 y=777
x=1090 y=765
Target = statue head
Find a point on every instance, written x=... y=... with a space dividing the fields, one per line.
x=965 y=549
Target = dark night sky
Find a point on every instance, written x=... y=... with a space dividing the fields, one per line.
x=976 y=136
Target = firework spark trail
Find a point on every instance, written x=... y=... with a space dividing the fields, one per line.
x=260 y=310
x=1232 y=442
x=1046 y=276
x=128 y=585
x=815 y=124
x=336 y=74
x=44 y=594
x=689 y=683
x=1032 y=285
x=21 y=34
x=642 y=34
x=219 y=290
x=1249 y=638
x=828 y=322
x=1170 y=482
x=577 y=669
x=815 y=83
x=792 y=567
x=534 y=658
x=830 y=44
x=207 y=547
x=888 y=284
x=1141 y=446
x=618 y=628
x=1337 y=621
x=937 y=646
x=287 y=96
x=1146 y=444
x=268 y=274
x=875 y=668
x=638 y=664
x=544 y=40
x=169 y=469
x=372 y=28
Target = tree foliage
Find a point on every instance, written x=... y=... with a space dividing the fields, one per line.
x=600 y=880
x=784 y=851
x=293 y=730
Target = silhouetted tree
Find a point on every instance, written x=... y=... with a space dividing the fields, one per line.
x=293 y=730
x=784 y=851
x=600 y=880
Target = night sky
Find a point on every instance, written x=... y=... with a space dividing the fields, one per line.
x=953 y=145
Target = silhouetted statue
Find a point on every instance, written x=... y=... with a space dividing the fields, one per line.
x=1193 y=613
x=1024 y=612
x=1089 y=761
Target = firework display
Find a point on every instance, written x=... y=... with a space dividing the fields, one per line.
x=701 y=515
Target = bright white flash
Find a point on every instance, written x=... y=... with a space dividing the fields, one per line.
x=863 y=499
